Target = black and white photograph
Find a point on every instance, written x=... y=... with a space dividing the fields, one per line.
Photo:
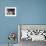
x=31 y=34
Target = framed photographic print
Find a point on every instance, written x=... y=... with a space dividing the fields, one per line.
x=10 y=11
x=33 y=32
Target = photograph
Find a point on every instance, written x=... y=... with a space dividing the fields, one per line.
x=29 y=34
x=10 y=11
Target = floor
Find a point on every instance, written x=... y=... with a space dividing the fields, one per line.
x=28 y=43
x=7 y=45
x=32 y=43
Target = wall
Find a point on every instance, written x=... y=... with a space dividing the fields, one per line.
x=28 y=12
